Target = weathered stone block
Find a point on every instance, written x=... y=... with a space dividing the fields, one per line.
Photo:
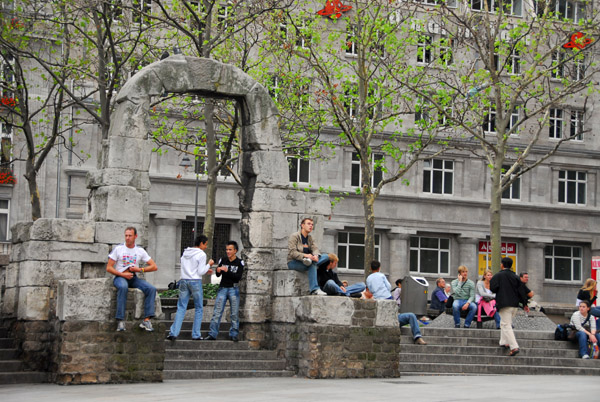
x=12 y=275
x=326 y=310
x=20 y=231
x=262 y=135
x=259 y=226
x=37 y=273
x=130 y=117
x=116 y=204
x=278 y=173
x=284 y=309
x=257 y=258
x=93 y=271
x=266 y=199
x=138 y=300
x=260 y=105
x=60 y=251
x=258 y=282
x=255 y=309
x=87 y=300
x=387 y=314
x=118 y=177
x=127 y=153
x=290 y=283
x=114 y=232
x=69 y=230
x=10 y=302
x=33 y=303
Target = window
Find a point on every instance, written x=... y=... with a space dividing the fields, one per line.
x=303 y=35
x=482 y=5
x=579 y=67
x=141 y=11
x=7 y=80
x=559 y=119
x=196 y=20
x=563 y=263
x=571 y=187
x=514 y=62
x=576 y=131
x=513 y=7
x=430 y=255
x=4 y=220
x=514 y=191
x=356 y=180
x=438 y=176
x=351 y=40
x=351 y=249
x=489 y=123
x=424 y=49
x=558 y=64
x=351 y=99
x=283 y=30
x=220 y=238
x=446 y=57
x=201 y=163
x=563 y=9
x=299 y=169
x=556 y=123
x=6 y=138
x=224 y=15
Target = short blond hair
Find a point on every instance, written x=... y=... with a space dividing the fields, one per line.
x=462 y=269
x=332 y=257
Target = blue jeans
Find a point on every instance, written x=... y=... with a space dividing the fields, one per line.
x=224 y=294
x=311 y=270
x=123 y=284
x=188 y=287
x=410 y=318
x=332 y=288
x=456 y=309
x=582 y=339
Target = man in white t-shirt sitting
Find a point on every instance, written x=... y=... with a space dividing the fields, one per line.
x=124 y=262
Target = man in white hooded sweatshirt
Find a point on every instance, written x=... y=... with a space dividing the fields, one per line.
x=193 y=266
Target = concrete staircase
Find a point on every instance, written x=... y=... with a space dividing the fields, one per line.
x=476 y=351
x=12 y=370
x=188 y=359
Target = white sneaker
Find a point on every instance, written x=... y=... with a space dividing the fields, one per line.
x=121 y=326
x=318 y=292
x=147 y=325
x=585 y=356
x=307 y=261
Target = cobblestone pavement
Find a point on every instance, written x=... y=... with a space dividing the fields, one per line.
x=407 y=388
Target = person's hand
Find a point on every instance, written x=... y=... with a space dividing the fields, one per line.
x=593 y=339
x=127 y=274
x=526 y=308
x=211 y=262
x=314 y=258
x=209 y=272
x=223 y=269
x=465 y=306
x=343 y=288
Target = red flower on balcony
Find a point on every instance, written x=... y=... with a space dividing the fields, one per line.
x=8 y=101
x=334 y=9
x=7 y=177
x=578 y=40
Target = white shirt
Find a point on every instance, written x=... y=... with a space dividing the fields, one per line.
x=125 y=257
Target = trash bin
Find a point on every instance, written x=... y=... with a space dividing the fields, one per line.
x=414 y=295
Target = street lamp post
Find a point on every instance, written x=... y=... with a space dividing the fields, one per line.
x=186 y=163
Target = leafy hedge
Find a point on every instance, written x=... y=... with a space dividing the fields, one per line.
x=210 y=291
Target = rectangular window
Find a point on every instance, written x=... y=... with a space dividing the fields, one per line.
x=438 y=176
x=576 y=131
x=6 y=139
x=4 y=219
x=480 y=5
x=489 y=124
x=303 y=35
x=196 y=19
x=514 y=62
x=351 y=40
x=556 y=123
x=424 y=49
x=299 y=170
x=563 y=263
x=141 y=11
x=514 y=7
x=446 y=57
x=376 y=160
x=558 y=64
x=571 y=187
x=351 y=249
x=514 y=191
x=430 y=255
x=224 y=15
x=351 y=99
x=220 y=238
x=7 y=79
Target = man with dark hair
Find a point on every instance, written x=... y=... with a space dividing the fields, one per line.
x=509 y=293
x=329 y=281
x=124 y=263
x=193 y=266
x=230 y=268
x=532 y=304
x=378 y=283
x=303 y=255
x=438 y=296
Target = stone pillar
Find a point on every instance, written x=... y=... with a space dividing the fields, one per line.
x=467 y=256
x=166 y=252
x=399 y=255
x=534 y=266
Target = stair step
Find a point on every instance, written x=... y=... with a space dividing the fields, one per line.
x=457 y=369
x=519 y=360
x=491 y=342
x=8 y=354
x=206 y=374
x=221 y=354
x=205 y=326
x=479 y=333
x=7 y=366
x=23 y=377
x=7 y=343
x=224 y=365
x=488 y=351
x=186 y=344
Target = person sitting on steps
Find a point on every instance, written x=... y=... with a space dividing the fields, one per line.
x=585 y=324
x=463 y=290
x=485 y=298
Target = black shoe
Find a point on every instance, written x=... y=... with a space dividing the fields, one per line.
x=456 y=325
x=234 y=338
x=171 y=338
x=198 y=339
x=210 y=338
x=356 y=295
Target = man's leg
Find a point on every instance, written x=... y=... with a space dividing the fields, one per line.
x=184 y=297
x=234 y=305
x=471 y=314
x=332 y=288
x=507 y=336
x=198 y=295
x=456 y=307
x=149 y=295
x=410 y=318
x=218 y=312
x=122 y=286
x=582 y=340
x=355 y=288
x=310 y=270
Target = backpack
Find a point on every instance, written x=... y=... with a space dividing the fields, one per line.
x=562 y=332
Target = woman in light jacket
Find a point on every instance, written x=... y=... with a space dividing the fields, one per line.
x=484 y=298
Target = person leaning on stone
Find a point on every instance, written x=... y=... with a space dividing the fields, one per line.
x=377 y=283
x=193 y=266
x=303 y=255
x=532 y=304
x=509 y=294
x=329 y=281
x=124 y=263
x=463 y=291
x=230 y=268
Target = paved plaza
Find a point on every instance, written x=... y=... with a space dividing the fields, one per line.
x=407 y=388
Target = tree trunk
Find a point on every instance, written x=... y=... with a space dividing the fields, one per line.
x=495 y=213
x=211 y=182
x=369 y=214
x=31 y=176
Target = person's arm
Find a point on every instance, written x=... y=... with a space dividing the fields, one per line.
x=110 y=268
x=293 y=253
x=237 y=275
x=441 y=296
x=149 y=267
x=471 y=291
x=314 y=249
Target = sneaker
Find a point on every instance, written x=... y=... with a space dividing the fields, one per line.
x=318 y=292
x=234 y=338
x=420 y=341
x=307 y=261
x=456 y=325
x=171 y=337
x=147 y=325
x=198 y=339
x=121 y=326
x=210 y=338
x=585 y=356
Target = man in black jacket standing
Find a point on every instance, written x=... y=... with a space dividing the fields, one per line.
x=507 y=286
